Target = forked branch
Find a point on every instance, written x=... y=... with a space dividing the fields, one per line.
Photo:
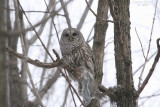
x=152 y=68
x=57 y=63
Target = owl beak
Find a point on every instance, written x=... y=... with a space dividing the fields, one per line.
x=70 y=38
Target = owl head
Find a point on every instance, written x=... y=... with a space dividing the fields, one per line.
x=72 y=35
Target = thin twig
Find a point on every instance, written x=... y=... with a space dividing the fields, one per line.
x=66 y=14
x=96 y=14
x=58 y=58
x=148 y=97
x=33 y=11
x=53 y=20
x=17 y=32
x=140 y=78
x=140 y=42
x=45 y=58
x=73 y=88
x=35 y=31
x=66 y=95
x=108 y=43
x=49 y=83
x=29 y=11
x=70 y=89
x=83 y=17
x=40 y=30
x=154 y=95
x=152 y=30
x=88 y=38
x=152 y=68
x=144 y=63
x=34 y=89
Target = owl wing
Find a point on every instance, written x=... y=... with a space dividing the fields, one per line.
x=89 y=58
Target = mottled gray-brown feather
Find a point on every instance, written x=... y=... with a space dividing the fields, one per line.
x=78 y=54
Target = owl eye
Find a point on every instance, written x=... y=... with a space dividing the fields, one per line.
x=74 y=34
x=66 y=35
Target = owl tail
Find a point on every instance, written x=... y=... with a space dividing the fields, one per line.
x=88 y=87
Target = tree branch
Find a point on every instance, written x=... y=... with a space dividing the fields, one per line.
x=34 y=62
x=53 y=20
x=83 y=17
x=149 y=45
x=151 y=70
x=96 y=14
x=15 y=32
x=58 y=63
x=140 y=42
x=35 y=32
x=66 y=14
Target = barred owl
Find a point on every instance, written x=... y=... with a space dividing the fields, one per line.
x=78 y=54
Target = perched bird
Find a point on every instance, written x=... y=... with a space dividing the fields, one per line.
x=78 y=54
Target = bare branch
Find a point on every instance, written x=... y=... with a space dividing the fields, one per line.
x=34 y=62
x=35 y=32
x=79 y=26
x=65 y=98
x=148 y=46
x=29 y=11
x=66 y=14
x=88 y=38
x=58 y=58
x=152 y=30
x=108 y=43
x=53 y=20
x=96 y=14
x=75 y=72
x=40 y=30
x=37 y=63
x=71 y=89
x=152 y=68
x=34 y=89
x=15 y=33
x=154 y=95
x=144 y=63
x=46 y=56
x=140 y=42
x=49 y=83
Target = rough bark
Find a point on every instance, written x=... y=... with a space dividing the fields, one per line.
x=3 y=57
x=126 y=94
x=99 y=38
x=14 y=78
x=99 y=43
x=3 y=72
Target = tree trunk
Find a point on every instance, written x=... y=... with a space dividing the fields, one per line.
x=99 y=44
x=14 y=77
x=126 y=95
x=3 y=57
x=99 y=38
